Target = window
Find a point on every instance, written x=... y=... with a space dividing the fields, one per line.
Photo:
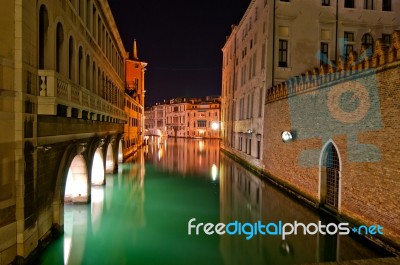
x=387 y=39
x=349 y=43
x=43 y=28
x=59 y=46
x=387 y=5
x=367 y=41
x=283 y=53
x=369 y=4
x=349 y=36
x=349 y=3
x=249 y=147
x=263 y=56
x=326 y=2
x=324 y=53
x=201 y=123
x=70 y=58
x=348 y=49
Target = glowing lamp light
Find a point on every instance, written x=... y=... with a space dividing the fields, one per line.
x=214 y=172
x=287 y=136
x=215 y=126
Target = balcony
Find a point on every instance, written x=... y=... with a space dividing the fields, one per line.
x=55 y=89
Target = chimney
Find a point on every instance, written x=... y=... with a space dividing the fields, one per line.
x=134 y=50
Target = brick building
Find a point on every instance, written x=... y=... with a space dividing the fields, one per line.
x=344 y=153
x=134 y=102
x=279 y=41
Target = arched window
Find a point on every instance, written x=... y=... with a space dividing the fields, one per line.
x=94 y=79
x=71 y=67
x=99 y=84
x=59 y=47
x=80 y=66
x=43 y=45
x=367 y=42
x=88 y=85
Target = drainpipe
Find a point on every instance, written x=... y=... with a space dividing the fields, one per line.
x=336 y=34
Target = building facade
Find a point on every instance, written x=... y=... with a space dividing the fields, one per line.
x=134 y=102
x=156 y=120
x=62 y=100
x=187 y=118
x=342 y=155
x=268 y=47
x=335 y=63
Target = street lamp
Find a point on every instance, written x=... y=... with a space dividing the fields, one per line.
x=215 y=125
x=286 y=136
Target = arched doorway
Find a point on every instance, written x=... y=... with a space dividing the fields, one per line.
x=76 y=188
x=330 y=177
x=98 y=168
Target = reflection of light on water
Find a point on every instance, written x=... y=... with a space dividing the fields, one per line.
x=97 y=207
x=214 y=172
x=68 y=226
x=160 y=154
x=67 y=248
x=201 y=146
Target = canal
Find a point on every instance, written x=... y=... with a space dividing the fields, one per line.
x=141 y=215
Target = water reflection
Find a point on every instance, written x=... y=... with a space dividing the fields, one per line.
x=246 y=198
x=185 y=156
x=141 y=215
x=113 y=218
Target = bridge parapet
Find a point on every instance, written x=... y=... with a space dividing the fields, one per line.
x=55 y=89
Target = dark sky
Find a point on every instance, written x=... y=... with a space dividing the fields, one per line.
x=181 y=41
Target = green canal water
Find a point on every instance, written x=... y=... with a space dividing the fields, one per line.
x=141 y=215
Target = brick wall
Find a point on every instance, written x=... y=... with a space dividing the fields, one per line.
x=356 y=106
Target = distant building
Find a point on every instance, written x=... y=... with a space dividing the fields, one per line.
x=187 y=118
x=156 y=120
x=134 y=102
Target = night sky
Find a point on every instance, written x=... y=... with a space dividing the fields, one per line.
x=181 y=40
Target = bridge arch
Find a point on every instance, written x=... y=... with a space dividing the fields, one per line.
x=76 y=186
x=110 y=158
x=97 y=171
x=73 y=166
